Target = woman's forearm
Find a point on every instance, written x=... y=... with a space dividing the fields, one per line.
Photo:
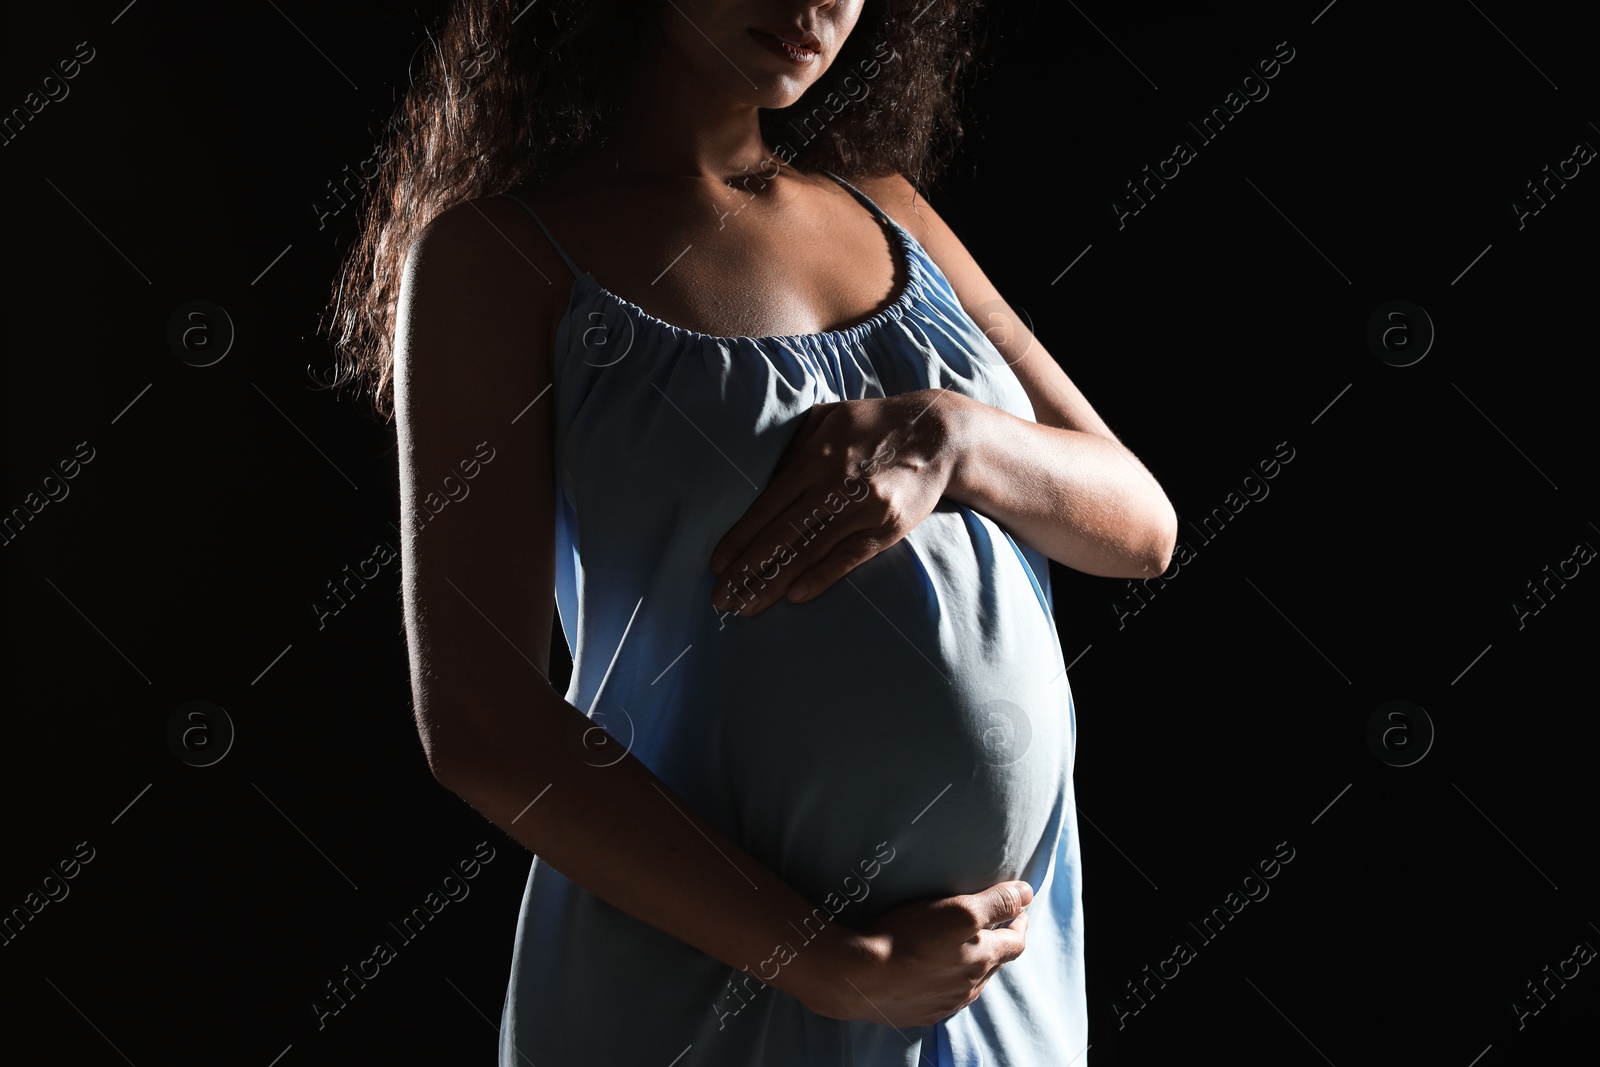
x=1081 y=499
x=618 y=832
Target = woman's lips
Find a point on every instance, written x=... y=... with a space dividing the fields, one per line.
x=785 y=47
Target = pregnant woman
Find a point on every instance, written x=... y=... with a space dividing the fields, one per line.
x=794 y=506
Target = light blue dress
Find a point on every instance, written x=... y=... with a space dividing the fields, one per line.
x=907 y=734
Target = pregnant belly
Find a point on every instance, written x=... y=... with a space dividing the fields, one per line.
x=920 y=702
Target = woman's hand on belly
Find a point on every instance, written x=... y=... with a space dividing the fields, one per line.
x=920 y=962
x=856 y=477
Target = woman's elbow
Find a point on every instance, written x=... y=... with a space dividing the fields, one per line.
x=446 y=769
x=1162 y=541
x=449 y=758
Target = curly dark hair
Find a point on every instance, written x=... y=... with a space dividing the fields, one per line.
x=504 y=99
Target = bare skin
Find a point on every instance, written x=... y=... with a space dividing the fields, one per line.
x=482 y=295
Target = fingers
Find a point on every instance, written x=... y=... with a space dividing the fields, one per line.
x=997 y=948
x=941 y=953
x=771 y=502
x=832 y=534
x=1001 y=902
x=1007 y=943
x=854 y=550
x=742 y=538
x=801 y=541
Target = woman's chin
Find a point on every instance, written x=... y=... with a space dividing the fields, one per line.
x=777 y=94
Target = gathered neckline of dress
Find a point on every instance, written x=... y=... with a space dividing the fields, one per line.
x=894 y=310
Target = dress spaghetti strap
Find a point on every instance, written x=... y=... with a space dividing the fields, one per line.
x=573 y=267
x=863 y=197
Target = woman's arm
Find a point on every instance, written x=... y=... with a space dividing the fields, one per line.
x=1065 y=484
x=473 y=360
x=1080 y=498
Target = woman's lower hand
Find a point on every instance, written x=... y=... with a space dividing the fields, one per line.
x=924 y=961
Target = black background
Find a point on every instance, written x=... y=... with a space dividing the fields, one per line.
x=1225 y=717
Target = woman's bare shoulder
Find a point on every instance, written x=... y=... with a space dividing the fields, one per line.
x=487 y=236
x=479 y=298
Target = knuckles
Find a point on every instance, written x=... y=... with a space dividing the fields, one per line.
x=1010 y=899
x=971 y=922
x=877 y=495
